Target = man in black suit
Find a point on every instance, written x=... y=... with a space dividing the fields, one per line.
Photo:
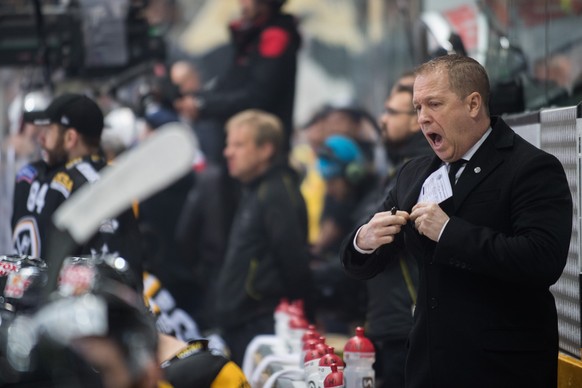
x=489 y=244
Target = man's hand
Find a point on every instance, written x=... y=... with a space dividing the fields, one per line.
x=381 y=229
x=428 y=219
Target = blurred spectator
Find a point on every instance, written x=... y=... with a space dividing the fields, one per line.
x=304 y=159
x=201 y=234
x=348 y=177
x=267 y=256
x=184 y=75
x=262 y=74
x=72 y=158
x=158 y=219
x=25 y=143
x=403 y=83
x=120 y=132
x=20 y=147
x=401 y=132
x=351 y=122
x=356 y=124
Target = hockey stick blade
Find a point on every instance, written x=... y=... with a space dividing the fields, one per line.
x=137 y=174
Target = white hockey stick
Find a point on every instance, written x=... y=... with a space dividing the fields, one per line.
x=150 y=167
x=137 y=174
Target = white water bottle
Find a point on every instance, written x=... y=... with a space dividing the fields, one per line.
x=297 y=327
x=359 y=356
x=282 y=317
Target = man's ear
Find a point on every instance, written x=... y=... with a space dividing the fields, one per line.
x=267 y=151
x=71 y=138
x=474 y=103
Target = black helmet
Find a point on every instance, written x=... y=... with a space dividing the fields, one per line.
x=92 y=301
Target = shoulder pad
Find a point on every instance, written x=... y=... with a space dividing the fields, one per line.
x=63 y=183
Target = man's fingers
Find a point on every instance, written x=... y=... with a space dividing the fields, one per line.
x=386 y=219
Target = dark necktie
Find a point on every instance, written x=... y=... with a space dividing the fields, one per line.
x=453 y=169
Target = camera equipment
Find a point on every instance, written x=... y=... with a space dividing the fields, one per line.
x=84 y=38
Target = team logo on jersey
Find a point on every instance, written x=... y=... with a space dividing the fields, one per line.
x=26 y=174
x=62 y=183
x=26 y=238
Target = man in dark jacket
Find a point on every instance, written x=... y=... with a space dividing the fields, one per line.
x=489 y=220
x=267 y=257
x=262 y=74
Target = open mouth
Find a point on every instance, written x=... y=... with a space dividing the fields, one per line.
x=435 y=138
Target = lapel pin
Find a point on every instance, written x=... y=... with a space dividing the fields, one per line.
x=477 y=170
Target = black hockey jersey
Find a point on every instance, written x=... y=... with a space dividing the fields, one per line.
x=30 y=216
x=40 y=191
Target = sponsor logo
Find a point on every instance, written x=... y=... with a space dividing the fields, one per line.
x=62 y=183
x=26 y=174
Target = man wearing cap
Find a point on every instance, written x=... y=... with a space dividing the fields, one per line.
x=71 y=157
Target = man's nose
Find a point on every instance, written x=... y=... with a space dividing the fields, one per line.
x=41 y=136
x=422 y=117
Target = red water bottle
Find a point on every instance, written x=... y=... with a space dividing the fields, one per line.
x=311 y=365
x=359 y=355
x=329 y=359
x=335 y=379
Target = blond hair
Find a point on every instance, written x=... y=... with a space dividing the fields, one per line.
x=267 y=128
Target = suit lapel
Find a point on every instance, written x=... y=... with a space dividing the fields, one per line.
x=485 y=161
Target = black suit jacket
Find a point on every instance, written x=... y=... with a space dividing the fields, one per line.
x=485 y=316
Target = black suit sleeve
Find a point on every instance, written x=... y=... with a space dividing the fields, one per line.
x=366 y=266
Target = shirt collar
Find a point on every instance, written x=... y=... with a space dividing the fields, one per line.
x=469 y=154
